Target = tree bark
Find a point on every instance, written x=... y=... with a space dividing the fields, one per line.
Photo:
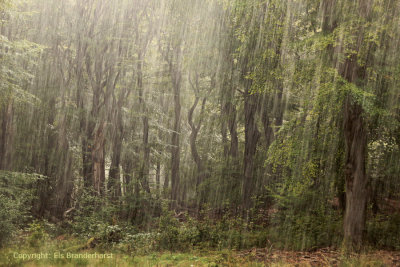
x=176 y=76
x=98 y=159
x=355 y=135
x=194 y=132
x=158 y=176
x=231 y=112
x=252 y=136
x=6 y=135
x=354 y=129
x=175 y=150
x=145 y=166
x=114 y=183
x=355 y=176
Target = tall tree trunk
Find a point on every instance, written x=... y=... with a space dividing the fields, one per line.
x=354 y=129
x=193 y=139
x=158 y=176
x=98 y=159
x=114 y=179
x=232 y=125
x=228 y=115
x=266 y=121
x=252 y=136
x=355 y=136
x=127 y=169
x=145 y=166
x=50 y=158
x=175 y=150
x=83 y=124
x=339 y=171
x=176 y=76
x=166 y=184
x=6 y=135
x=355 y=176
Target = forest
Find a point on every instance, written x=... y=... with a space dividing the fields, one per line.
x=200 y=132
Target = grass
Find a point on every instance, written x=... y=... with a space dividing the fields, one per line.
x=10 y=256
x=194 y=258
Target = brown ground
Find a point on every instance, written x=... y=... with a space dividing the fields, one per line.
x=322 y=257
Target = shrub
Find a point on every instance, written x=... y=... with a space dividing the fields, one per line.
x=37 y=234
x=93 y=215
x=141 y=243
x=169 y=230
x=383 y=231
x=305 y=222
x=17 y=192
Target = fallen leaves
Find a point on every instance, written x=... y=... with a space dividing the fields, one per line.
x=322 y=257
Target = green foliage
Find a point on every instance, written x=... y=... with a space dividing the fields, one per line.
x=93 y=216
x=308 y=229
x=18 y=58
x=303 y=218
x=9 y=214
x=139 y=208
x=205 y=233
x=140 y=243
x=37 y=234
x=169 y=230
x=110 y=234
x=383 y=231
x=17 y=192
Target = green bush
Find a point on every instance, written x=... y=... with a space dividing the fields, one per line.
x=383 y=231
x=8 y=214
x=169 y=231
x=93 y=215
x=305 y=222
x=207 y=233
x=17 y=192
x=189 y=234
x=141 y=243
x=37 y=234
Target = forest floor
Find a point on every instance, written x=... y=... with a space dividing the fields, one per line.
x=254 y=257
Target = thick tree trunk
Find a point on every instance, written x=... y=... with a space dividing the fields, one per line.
x=355 y=176
x=229 y=123
x=228 y=115
x=103 y=84
x=64 y=186
x=252 y=136
x=354 y=129
x=355 y=136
